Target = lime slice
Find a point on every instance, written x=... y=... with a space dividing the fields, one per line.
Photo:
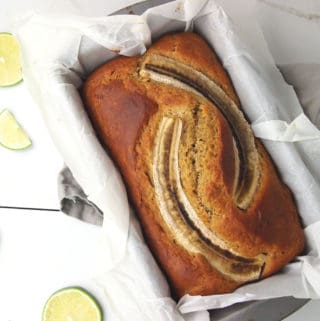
x=72 y=304
x=12 y=136
x=10 y=67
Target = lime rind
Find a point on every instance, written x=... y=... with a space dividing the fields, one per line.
x=13 y=84
x=12 y=135
x=76 y=289
x=17 y=149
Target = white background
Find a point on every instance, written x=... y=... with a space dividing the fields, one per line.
x=43 y=244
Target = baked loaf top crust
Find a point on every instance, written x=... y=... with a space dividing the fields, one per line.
x=212 y=206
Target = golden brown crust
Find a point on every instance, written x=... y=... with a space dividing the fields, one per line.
x=128 y=110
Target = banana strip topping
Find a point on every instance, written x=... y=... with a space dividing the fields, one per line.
x=174 y=73
x=180 y=216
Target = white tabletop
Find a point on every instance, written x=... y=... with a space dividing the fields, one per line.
x=28 y=179
x=35 y=262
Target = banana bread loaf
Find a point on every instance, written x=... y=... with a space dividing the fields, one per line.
x=211 y=204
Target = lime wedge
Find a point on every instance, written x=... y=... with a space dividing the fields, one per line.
x=12 y=136
x=72 y=304
x=10 y=67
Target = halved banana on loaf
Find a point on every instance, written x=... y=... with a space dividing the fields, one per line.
x=212 y=206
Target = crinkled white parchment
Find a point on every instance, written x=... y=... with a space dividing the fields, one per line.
x=59 y=51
